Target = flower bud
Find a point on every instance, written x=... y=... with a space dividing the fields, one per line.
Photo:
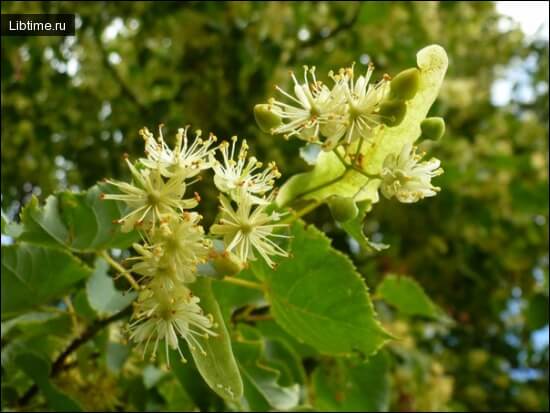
x=227 y=264
x=342 y=209
x=393 y=112
x=432 y=128
x=405 y=85
x=265 y=118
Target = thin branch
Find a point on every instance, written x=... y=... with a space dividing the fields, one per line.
x=59 y=364
x=301 y=212
x=105 y=255
x=343 y=26
x=353 y=167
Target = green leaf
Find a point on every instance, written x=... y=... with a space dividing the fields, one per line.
x=11 y=229
x=177 y=399
x=80 y=221
x=218 y=367
x=354 y=228
x=37 y=323
x=353 y=386
x=273 y=331
x=152 y=375
x=262 y=388
x=283 y=357
x=33 y=275
x=38 y=370
x=232 y=297
x=319 y=298
x=408 y=297
x=138 y=395
x=82 y=306
x=43 y=226
x=187 y=376
x=327 y=177
x=102 y=294
x=45 y=346
x=116 y=355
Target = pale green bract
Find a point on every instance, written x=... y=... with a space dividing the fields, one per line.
x=326 y=179
x=218 y=366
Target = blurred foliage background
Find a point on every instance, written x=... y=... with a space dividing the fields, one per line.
x=72 y=106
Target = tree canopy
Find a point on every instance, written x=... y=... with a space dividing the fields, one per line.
x=460 y=297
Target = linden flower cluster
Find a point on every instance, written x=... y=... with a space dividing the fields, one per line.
x=245 y=223
x=174 y=241
x=353 y=109
x=344 y=117
x=404 y=177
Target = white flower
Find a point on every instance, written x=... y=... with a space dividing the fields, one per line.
x=162 y=314
x=314 y=105
x=232 y=176
x=247 y=230
x=409 y=180
x=363 y=100
x=174 y=251
x=185 y=159
x=150 y=197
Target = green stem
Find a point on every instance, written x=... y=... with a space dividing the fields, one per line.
x=341 y=159
x=358 y=152
x=366 y=175
x=354 y=167
x=348 y=167
x=321 y=186
x=120 y=269
x=301 y=212
x=243 y=283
